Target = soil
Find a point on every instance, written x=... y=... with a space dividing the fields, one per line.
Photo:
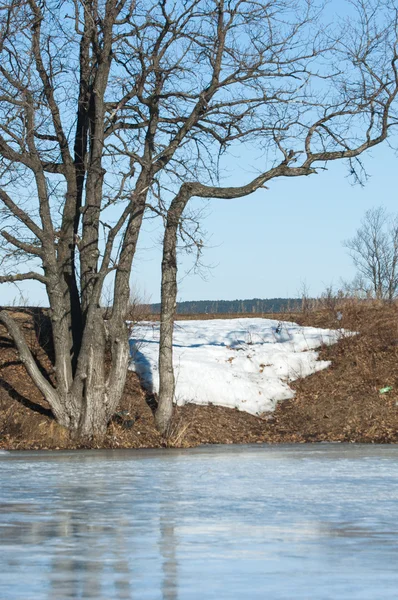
x=342 y=403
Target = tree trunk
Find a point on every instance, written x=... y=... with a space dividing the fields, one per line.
x=86 y=404
x=164 y=412
x=98 y=386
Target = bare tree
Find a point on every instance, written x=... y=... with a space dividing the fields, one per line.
x=54 y=73
x=374 y=250
x=115 y=110
x=356 y=117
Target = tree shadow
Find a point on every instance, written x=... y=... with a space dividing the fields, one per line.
x=11 y=363
x=152 y=400
x=43 y=331
x=25 y=401
x=143 y=369
x=43 y=334
x=5 y=342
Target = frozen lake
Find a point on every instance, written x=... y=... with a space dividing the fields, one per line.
x=310 y=522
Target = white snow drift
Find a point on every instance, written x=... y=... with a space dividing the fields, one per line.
x=245 y=363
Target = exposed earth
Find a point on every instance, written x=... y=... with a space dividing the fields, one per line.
x=342 y=403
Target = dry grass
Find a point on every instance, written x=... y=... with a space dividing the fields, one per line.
x=341 y=403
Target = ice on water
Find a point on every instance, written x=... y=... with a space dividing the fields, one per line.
x=315 y=521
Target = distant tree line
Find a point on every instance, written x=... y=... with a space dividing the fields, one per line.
x=222 y=307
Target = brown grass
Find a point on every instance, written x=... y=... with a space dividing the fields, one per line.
x=341 y=403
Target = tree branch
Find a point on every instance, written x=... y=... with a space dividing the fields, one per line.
x=27 y=359
x=32 y=275
x=21 y=215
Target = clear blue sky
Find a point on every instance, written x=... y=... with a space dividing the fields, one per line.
x=268 y=244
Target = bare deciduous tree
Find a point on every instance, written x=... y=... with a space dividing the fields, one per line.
x=112 y=109
x=374 y=250
x=319 y=128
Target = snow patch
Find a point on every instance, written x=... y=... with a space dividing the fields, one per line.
x=245 y=364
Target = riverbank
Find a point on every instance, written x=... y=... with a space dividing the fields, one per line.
x=342 y=403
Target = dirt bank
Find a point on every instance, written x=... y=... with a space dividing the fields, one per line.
x=342 y=403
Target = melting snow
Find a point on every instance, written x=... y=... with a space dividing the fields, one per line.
x=239 y=363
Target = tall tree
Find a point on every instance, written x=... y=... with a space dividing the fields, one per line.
x=351 y=112
x=111 y=109
x=55 y=68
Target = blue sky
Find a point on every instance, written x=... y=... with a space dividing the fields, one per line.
x=268 y=244
x=271 y=243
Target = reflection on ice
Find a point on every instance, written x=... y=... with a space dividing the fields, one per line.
x=242 y=522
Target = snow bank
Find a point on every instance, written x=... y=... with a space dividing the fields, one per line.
x=244 y=364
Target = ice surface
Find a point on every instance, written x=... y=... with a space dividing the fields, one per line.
x=239 y=363
x=299 y=522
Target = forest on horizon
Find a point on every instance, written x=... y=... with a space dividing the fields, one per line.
x=251 y=306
